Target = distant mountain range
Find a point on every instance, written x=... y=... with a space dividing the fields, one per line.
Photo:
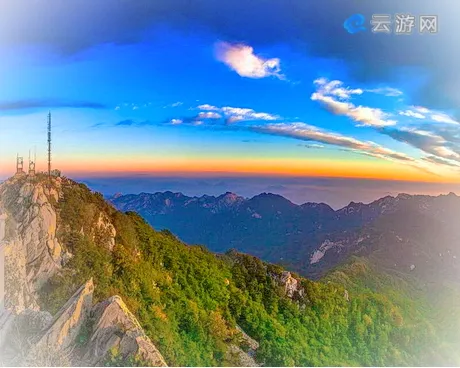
x=408 y=233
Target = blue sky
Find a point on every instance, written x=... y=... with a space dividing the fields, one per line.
x=216 y=89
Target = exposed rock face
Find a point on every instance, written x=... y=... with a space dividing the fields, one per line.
x=32 y=253
x=3 y=218
x=291 y=285
x=242 y=357
x=252 y=344
x=35 y=338
x=115 y=328
x=62 y=331
x=236 y=354
x=105 y=227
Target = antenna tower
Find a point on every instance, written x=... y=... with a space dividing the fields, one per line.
x=19 y=164
x=49 y=146
x=32 y=164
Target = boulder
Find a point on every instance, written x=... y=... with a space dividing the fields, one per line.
x=115 y=329
x=62 y=331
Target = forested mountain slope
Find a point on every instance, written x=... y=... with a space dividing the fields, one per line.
x=194 y=305
x=408 y=230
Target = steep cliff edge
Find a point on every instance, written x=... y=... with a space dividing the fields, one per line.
x=33 y=253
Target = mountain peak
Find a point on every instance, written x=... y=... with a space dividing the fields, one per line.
x=230 y=196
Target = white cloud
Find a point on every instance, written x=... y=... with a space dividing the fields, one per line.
x=327 y=94
x=440 y=161
x=412 y=114
x=233 y=114
x=307 y=132
x=176 y=121
x=426 y=141
x=335 y=88
x=241 y=59
x=209 y=115
x=421 y=112
x=208 y=107
x=443 y=118
x=176 y=104
x=236 y=110
x=234 y=119
x=386 y=91
x=236 y=114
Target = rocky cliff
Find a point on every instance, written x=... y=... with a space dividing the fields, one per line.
x=33 y=253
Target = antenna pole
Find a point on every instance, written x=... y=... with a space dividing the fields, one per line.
x=49 y=147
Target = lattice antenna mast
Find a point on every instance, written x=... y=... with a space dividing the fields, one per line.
x=49 y=146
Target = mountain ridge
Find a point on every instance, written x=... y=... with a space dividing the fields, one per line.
x=401 y=195
x=268 y=224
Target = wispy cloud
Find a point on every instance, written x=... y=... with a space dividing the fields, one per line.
x=242 y=60
x=319 y=137
x=174 y=104
x=307 y=132
x=237 y=114
x=335 y=88
x=428 y=142
x=48 y=104
x=420 y=112
x=439 y=143
x=412 y=114
x=439 y=161
x=334 y=96
x=312 y=146
x=209 y=115
x=227 y=114
x=207 y=107
x=131 y=122
x=386 y=91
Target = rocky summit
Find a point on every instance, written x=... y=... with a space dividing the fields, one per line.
x=33 y=254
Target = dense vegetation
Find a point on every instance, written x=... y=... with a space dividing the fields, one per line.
x=189 y=301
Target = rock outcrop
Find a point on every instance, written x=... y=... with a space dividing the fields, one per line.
x=114 y=328
x=62 y=331
x=32 y=255
x=291 y=285
x=32 y=251
x=244 y=354
x=105 y=227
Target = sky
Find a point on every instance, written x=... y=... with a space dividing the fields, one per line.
x=264 y=95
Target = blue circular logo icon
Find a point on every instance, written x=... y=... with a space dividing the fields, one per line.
x=355 y=24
